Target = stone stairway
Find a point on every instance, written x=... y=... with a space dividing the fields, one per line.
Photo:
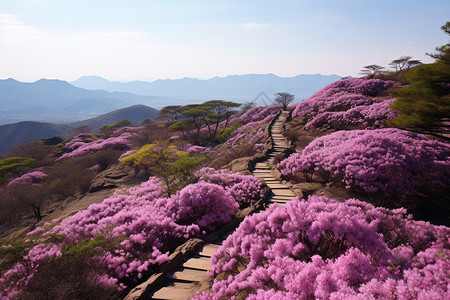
x=190 y=277
x=280 y=192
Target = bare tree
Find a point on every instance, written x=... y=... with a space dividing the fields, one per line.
x=372 y=70
x=283 y=99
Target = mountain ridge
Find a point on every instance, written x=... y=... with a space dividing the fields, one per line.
x=232 y=87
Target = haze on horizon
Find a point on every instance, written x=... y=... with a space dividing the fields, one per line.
x=146 y=40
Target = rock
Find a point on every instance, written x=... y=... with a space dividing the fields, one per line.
x=111 y=178
x=307 y=188
x=142 y=291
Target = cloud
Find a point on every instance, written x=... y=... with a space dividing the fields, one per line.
x=13 y=29
x=254 y=25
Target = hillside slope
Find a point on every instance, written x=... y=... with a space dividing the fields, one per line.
x=22 y=132
x=240 y=88
x=134 y=114
x=58 y=101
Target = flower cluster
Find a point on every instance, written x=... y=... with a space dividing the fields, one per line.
x=80 y=148
x=373 y=115
x=245 y=189
x=325 y=249
x=28 y=178
x=383 y=161
x=257 y=113
x=244 y=134
x=200 y=149
x=340 y=95
x=142 y=225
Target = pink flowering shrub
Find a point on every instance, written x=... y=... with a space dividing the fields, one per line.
x=80 y=148
x=248 y=134
x=204 y=204
x=373 y=115
x=325 y=249
x=200 y=149
x=340 y=95
x=134 y=230
x=257 y=113
x=245 y=189
x=385 y=162
x=28 y=178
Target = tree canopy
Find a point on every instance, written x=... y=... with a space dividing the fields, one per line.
x=283 y=99
x=424 y=105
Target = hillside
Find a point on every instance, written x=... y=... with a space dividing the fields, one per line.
x=18 y=133
x=240 y=88
x=311 y=202
x=134 y=114
x=58 y=101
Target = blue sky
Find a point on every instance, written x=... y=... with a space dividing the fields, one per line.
x=144 y=40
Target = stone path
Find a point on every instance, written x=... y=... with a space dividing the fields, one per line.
x=184 y=282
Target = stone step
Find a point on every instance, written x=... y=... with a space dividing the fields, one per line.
x=280 y=197
x=277 y=185
x=175 y=291
x=188 y=275
x=208 y=250
x=199 y=263
x=279 y=201
x=283 y=192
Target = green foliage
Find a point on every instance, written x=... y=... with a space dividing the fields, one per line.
x=123 y=123
x=14 y=166
x=424 y=105
x=162 y=160
x=226 y=132
x=11 y=163
x=88 y=248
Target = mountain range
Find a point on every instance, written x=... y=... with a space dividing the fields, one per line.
x=59 y=101
x=14 y=134
x=239 y=88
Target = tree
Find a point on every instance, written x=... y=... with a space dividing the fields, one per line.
x=372 y=70
x=162 y=160
x=400 y=63
x=171 y=112
x=218 y=112
x=31 y=196
x=424 y=105
x=413 y=63
x=283 y=99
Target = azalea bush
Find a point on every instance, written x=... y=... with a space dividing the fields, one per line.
x=340 y=95
x=78 y=147
x=245 y=189
x=373 y=115
x=130 y=233
x=28 y=178
x=383 y=162
x=325 y=249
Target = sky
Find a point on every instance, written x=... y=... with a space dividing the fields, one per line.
x=130 y=40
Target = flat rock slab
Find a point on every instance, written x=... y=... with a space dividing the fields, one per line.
x=177 y=291
x=277 y=185
x=283 y=192
x=199 y=263
x=189 y=275
x=208 y=250
x=279 y=197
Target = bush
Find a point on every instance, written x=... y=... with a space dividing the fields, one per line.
x=340 y=95
x=325 y=249
x=119 y=240
x=383 y=162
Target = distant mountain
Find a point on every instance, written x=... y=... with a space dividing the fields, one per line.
x=59 y=101
x=12 y=135
x=134 y=114
x=240 y=88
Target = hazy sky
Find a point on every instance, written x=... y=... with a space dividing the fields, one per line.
x=143 y=40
